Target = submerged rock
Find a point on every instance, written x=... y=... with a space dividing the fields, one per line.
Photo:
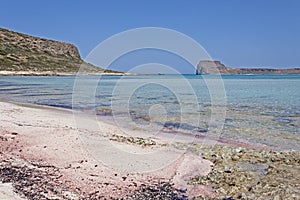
x=251 y=174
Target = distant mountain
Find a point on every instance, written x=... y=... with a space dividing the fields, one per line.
x=28 y=55
x=216 y=67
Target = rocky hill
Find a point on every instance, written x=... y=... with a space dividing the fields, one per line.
x=24 y=54
x=216 y=67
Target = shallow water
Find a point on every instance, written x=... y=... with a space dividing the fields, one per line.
x=263 y=109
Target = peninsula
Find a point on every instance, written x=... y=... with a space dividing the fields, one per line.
x=216 y=67
x=21 y=54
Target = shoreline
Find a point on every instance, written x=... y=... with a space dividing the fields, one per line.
x=167 y=133
x=43 y=141
x=49 y=137
x=50 y=73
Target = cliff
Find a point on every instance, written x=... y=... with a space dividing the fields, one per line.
x=216 y=67
x=24 y=54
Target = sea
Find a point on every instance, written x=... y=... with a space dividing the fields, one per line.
x=255 y=109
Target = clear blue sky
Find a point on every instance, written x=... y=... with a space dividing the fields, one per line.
x=240 y=33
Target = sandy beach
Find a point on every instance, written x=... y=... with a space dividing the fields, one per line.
x=150 y=100
x=47 y=139
x=43 y=157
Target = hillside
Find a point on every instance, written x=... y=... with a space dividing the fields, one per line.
x=216 y=67
x=24 y=54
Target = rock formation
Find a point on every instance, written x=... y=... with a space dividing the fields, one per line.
x=216 y=67
x=20 y=52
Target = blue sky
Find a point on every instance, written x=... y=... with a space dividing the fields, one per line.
x=240 y=33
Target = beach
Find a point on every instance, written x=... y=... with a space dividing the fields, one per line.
x=43 y=157
x=44 y=139
x=150 y=100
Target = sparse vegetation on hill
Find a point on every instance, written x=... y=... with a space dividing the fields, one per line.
x=20 y=52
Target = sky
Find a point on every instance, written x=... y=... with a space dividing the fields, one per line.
x=256 y=33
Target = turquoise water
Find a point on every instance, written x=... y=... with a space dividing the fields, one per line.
x=263 y=109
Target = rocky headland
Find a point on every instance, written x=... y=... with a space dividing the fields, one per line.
x=21 y=54
x=216 y=67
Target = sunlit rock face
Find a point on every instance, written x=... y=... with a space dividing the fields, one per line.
x=216 y=67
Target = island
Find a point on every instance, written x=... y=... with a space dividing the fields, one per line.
x=216 y=67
